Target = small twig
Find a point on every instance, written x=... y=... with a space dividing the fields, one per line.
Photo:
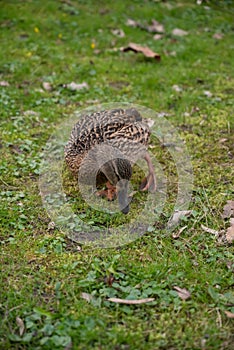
x=7 y=184
x=131 y=302
x=219 y=318
x=190 y=250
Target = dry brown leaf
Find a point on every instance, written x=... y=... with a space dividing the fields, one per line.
x=74 y=86
x=177 y=234
x=15 y=149
x=4 y=83
x=131 y=23
x=207 y=93
x=229 y=314
x=170 y=53
x=88 y=297
x=29 y=112
x=223 y=140
x=210 y=230
x=230 y=265
x=230 y=232
x=150 y=122
x=143 y=49
x=20 y=324
x=183 y=293
x=157 y=36
x=179 y=32
x=228 y=209
x=177 y=88
x=109 y=280
x=131 y=302
x=178 y=215
x=46 y=86
x=51 y=226
x=218 y=36
x=118 y=32
x=40 y=90
x=154 y=27
x=132 y=194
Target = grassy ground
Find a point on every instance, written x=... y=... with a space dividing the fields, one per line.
x=43 y=272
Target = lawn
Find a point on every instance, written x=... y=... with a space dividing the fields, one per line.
x=54 y=289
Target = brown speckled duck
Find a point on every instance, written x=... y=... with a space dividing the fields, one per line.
x=119 y=137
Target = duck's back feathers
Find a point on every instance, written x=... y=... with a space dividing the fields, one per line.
x=122 y=128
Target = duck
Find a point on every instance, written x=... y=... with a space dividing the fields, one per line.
x=106 y=144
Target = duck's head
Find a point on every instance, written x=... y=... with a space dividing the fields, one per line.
x=119 y=171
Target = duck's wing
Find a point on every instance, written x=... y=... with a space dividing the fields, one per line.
x=137 y=132
x=121 y=125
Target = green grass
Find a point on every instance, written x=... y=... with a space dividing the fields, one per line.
x=43 y=272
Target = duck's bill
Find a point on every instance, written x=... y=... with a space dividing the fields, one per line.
x=126 y=209
x=122 y=194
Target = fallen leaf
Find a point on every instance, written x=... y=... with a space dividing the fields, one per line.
x=131 y=302
x=15 y=149
x=118 y=84
x=163 y=114
x=29 y=112
x=46 y=86
x=228 y=209
x=4 y=83
x=157 y=36
x=88 y=297
x=131 y=23
x=51 y=226
x=170 y=53
x=230 y=232
x=143 y=49
x=208 y=93
x=39 y=90
x=195 y=109
x=219 y=318
x=183 y=293
x=178 y=214
x=177 y=234
x=230 y=265
x=150 y=122
x=20 y=324
x=155 y=27
x=179 y=32
x=104 y=11
x=218 y=36
x=177 y=88
x=210 y=230
x=118 y=32
x=132 y=194
x=223 y=140
x=109 y=280
x=219 y=235
x=93 y=101
x=74 y=86
x=229 y=314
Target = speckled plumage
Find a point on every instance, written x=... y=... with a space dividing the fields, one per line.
x=123 y=129
x=108 y=143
